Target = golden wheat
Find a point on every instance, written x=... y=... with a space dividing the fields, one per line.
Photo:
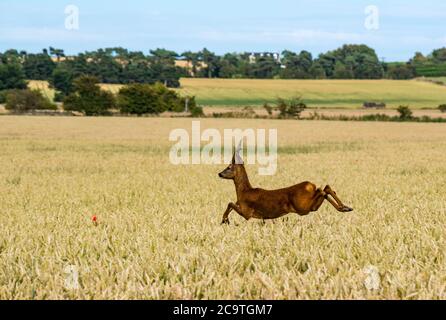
x=158 y=233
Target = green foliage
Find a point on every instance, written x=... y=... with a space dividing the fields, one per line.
x=400 y=71
x=142 y=99
x=38 y=66
x=351 y=61
x=433 y=65
x=118 y=65
x=442 y=107
x=268 y=109
x=12 y=76
x=25 y=100
x=89 y=98
x=196 y=112
x=62 y=80
x=291 y=108
x=3 y=94
x=405 y=113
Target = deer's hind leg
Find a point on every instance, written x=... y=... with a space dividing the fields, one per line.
x=337 y=203
x=318 y=199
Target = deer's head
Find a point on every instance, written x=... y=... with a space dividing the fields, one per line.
x=231 y=171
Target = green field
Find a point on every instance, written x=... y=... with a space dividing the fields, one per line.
x=442 y=79
x=333 y=94
x=316 y=93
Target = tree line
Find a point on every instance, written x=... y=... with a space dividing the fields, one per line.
x=119 y=65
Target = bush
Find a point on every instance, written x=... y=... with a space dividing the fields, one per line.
x=290 y=109
x=197 y=112
x=268 y=109
x=27 y=100
x=442 y=107
x=89 y=98
x=156 y=98
x=3 y=96
x=405 y=113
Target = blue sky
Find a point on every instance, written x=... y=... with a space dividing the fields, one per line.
x=225 y=26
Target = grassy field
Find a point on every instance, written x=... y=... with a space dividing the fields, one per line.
x=333 y=94
x=442 y=79
x=158 y=233
x=316 y=93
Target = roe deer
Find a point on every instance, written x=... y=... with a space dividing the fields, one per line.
x=257 y=203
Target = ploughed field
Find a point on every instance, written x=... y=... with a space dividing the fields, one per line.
x=158 y=233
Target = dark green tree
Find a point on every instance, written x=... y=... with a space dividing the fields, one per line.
x=12 y=76
x=89 y=98
x=38 y=66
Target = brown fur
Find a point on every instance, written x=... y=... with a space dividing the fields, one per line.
x=301 y=198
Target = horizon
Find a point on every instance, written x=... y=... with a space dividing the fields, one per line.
x=396 y=31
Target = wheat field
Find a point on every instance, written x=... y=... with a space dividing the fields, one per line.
x=345 y=94
x=159 y=235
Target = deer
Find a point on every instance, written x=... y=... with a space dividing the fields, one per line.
x=302 y=198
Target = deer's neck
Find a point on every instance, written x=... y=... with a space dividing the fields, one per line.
x=241 y=181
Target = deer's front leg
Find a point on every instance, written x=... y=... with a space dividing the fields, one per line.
x=225 y=219
x=238 y=209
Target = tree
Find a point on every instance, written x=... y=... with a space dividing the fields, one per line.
x=62 y=80
x=58 y=53
x=341 y=71
x=297 y=66
x=442 y=108
x=405 y=113
x=89 y=98
x=26 y=100
x=360 y=60
x=439 y=55
x=292 y=108
x=12 y=77
x=400 y=71
x=38 y=66
x=142 y=99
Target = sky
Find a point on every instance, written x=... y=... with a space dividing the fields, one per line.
x=395 y=29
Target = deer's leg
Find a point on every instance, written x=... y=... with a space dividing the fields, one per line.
x=232 y=206
x=337 y=203
x=225 y=219
x=318 y=199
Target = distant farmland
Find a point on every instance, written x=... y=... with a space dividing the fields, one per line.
x=333 y=94
x=316 y=93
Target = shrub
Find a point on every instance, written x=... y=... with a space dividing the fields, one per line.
x=290 y=109
x=3 y=96
x=268 y=109
x=89 y=98
x=442 y=107
x=27 y=100
x=405 y=113
x=197 y=112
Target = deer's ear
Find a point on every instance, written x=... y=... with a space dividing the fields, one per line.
x=238 y=159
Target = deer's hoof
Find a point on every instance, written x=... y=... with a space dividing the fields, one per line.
x=346 y=209
x=225 y=221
